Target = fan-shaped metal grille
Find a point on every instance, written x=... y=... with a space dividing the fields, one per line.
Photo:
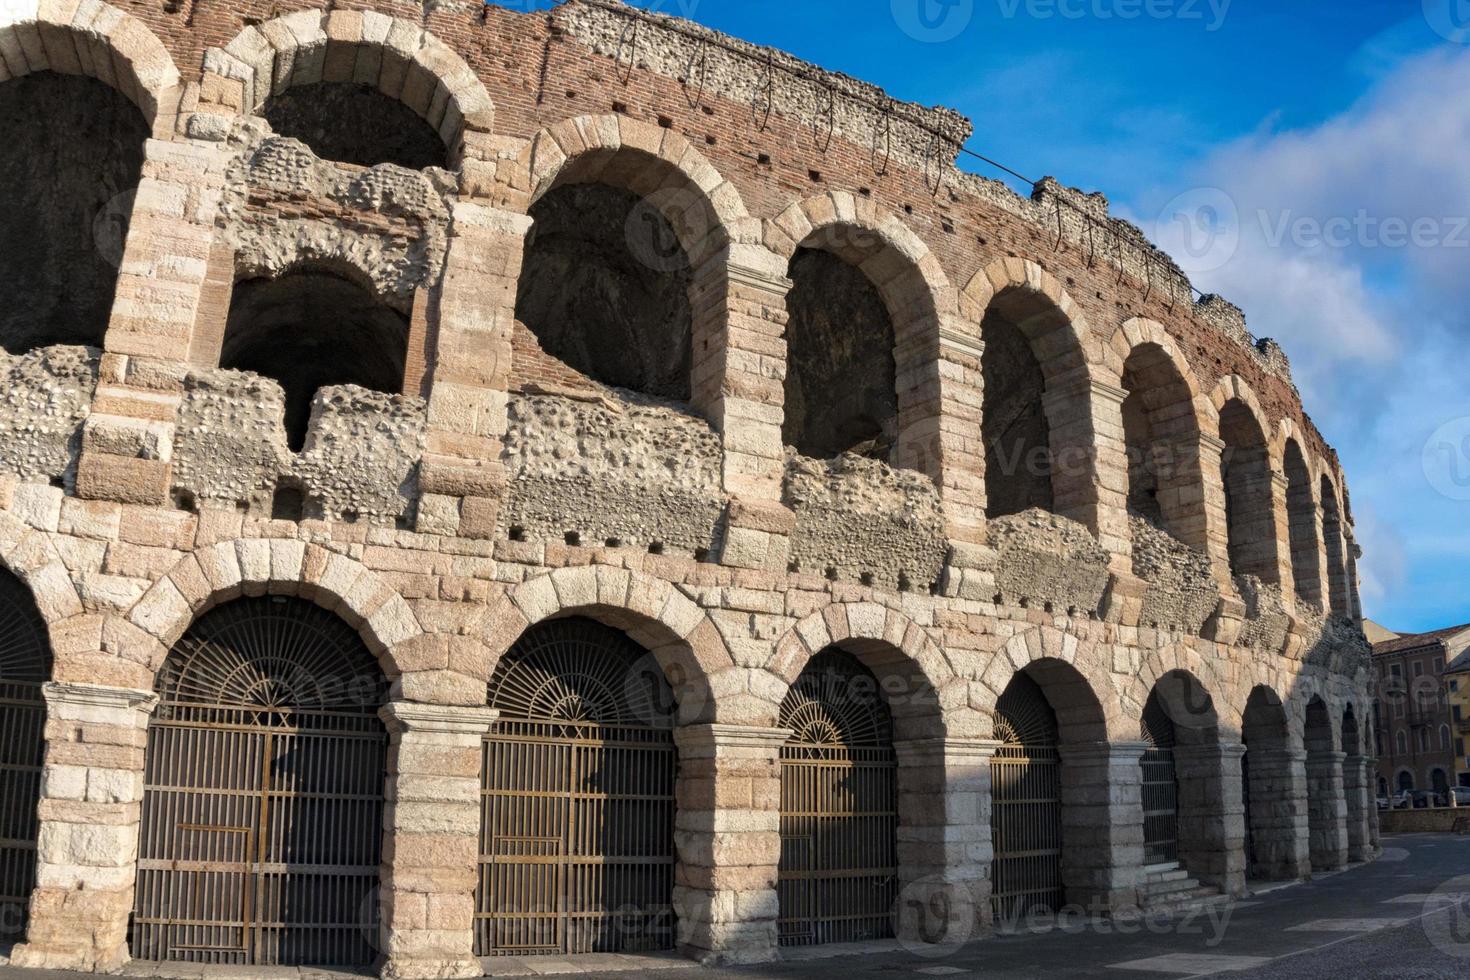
x=577 y=817
x=1160 y=786
x=580 y=671
x=1026 y=804
x=836 y=701
x=25 y=662
x=262 y=820
x=839 y=807
x=274 y=653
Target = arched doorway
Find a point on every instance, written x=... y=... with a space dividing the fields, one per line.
x=1160 y=785
x=1326 y=805
x=1026 y=805
x=839 y=806
x=1406 y=780
x=1439 y=781
x=1273 y=790
x=262 y=816
x=25 y=664
x=577 y=822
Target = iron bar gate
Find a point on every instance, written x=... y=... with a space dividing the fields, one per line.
x=1026 y=805
x=1160 y=786
x=839 y=807
x=577 y=820
x=262 y=815
x=25 y=662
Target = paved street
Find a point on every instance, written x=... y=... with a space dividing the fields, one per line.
x=1406 y=916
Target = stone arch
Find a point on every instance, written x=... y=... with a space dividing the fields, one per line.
x=1326 y=802
x=924 y=693
x=397 y=57
x=672 y=627
x=30 y=556
x=1069 y=672
x=1227 y=701
x=1334 y=547
x=915 y=293
x=1273 y=789
x=1301 y=518
x=1039 y=391
x=1248 y=474
x=212 y=575
x=1165 y=418
x=94 y=39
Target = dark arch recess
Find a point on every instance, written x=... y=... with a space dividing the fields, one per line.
x=311 y=329
x=353 y=123
x=70 y=159
x=25 y=663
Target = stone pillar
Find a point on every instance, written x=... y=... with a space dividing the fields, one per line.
x=951 y=452
x=1281 y=529
x=1086 y=417
x=1357 y=782
x=944 y=846
x=472 y=317
x=1216 y=526
x=1326 y=810
x=90 y=807
x=1212 y=814
x=163 y=292
x=1102 y=824
x=431 y=839
x=1278 y=814
x=728 y=835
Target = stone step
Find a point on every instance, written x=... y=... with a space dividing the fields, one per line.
x=1200 y=898
x=1167 y=889
x=1178 y=874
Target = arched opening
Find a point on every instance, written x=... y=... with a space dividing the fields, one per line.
x=604 y=289
x=25 y=664
x=841 y=391
x=577 y=822
x=1045 y=709
x=261 y=834
x=1188 y=788
x=1273 y=789
x=1337 y=591
x=1162 y=436
x=1245 y=471
x=1301 y=512
x=1440 y=782
x=70 y=161
x=1406 y=780
x=349 y=122
x=309 y=330
x=1013 y=422
x=839 y=806
x=1326 y=807
x=1382 y=788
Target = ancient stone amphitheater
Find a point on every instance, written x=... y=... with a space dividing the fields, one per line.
x=481 y=482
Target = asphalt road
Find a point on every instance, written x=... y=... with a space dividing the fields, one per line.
x=1405 y=916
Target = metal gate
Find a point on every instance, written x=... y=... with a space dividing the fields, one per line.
x=263 y=797
x=839 y=808
x=1160 y=786
x=25 y=663
x=1026 y=805
x=577 y=818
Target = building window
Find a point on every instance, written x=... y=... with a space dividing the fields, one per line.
x=1454 y=684
x=1418 y=668
x=1403 y=743
x=1396 y=670
x=1455 y=709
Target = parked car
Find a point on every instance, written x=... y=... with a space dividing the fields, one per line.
x=1462 y=795
x=1401 y=800
x=1425 y=799
x=1384 y=803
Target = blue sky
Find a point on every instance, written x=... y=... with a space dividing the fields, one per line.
x=1321 y=123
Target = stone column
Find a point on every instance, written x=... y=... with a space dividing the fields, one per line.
x=1281 y=525
x=1357 y=782
x=431 y=839
x=90 y=807
x=472 y=314
x=163 y=297
x=728 y=835
x=944 y=846
x=1086 y=419
x=1212 y=814
x=1278 y=814
x=1216 y=526
x=1326 y=810
x=1102 y=824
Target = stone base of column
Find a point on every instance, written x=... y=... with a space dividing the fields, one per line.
x=1278 y=814
x=1357 y=782
x=78 y=929
x=1327 y=809
x=728 y=834
x=1212 y=815
x=1102 y=825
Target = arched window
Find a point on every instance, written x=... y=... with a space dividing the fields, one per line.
x=1162 y=435
x=1014 y=424
x=1406 y=780
x=1245 y=470
x=1402 y=742
x=69 y=163
x=354 y=123
x=1337 y=590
